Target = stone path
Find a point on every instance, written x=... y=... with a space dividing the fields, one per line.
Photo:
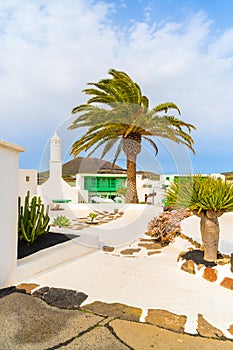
x=29 y=322
x=103 y=217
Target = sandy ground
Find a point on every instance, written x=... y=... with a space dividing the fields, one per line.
x=152 y=281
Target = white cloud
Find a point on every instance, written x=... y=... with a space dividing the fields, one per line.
x=50 y=50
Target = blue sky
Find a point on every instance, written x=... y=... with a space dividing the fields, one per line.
x=177 y=50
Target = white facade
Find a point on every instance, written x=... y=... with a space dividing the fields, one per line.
x=27 y=182
x=150 y=191
x=9 y=154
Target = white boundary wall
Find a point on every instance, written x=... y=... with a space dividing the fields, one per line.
x=9 y=154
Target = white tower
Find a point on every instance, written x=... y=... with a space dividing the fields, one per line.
x=55 y=157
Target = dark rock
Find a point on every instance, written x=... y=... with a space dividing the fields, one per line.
x=166 y=319
x=61 y=298
x=198 y=257
x=129 y=251
x=210 y=274
x=227 y=282
x=189 y=267
x=118 y=310
x=205 y=329
x=108 y=249
x=9 y=290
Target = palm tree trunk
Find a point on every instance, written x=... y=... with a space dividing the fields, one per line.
x=210 y=234
x=131 y=194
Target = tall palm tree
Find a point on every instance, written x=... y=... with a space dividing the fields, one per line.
x=123 y=120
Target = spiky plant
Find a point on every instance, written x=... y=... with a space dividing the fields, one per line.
x=208 y=198
x=61 y=221
x=125 y=122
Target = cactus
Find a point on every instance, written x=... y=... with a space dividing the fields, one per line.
x=33 y=220
x=61 y=221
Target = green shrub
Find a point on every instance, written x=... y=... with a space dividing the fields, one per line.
x=201 y=194
x=33 y=220
x=92 y=216
x=61 y=221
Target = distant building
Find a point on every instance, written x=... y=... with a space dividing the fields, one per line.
x=100 y=185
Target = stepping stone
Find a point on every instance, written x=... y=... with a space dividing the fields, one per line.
x=108 y=249
x=61 y=298
x=118 y=310
x=156 y=245
x=129 y=251
x=154 y=252
x=28 y=287
x=205 y=329
x=166 y=319
x=189 y=267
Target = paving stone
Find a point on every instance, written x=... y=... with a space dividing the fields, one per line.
x=99 y=338
x=227 y=282
x=154 y=252
x=108 y=249
x=28 y=287
x=141 y=336
x=188 y=266
x=155 y=245
x=130 y=251
x=205 y=329
x=166 y=319
x=115 y=309
x=30 y=324
x=230 y=329
x=210 y=274
x=62 y=298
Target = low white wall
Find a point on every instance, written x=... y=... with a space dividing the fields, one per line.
x=8 y=211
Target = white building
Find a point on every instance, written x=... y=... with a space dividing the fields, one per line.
x=55 y=189
x=9 y=154
x=27 y=182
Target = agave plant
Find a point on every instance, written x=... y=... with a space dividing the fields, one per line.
x=61 y=221
x=208 y=198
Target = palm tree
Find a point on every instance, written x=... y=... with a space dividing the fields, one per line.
x=208 y=198
x=122 y=120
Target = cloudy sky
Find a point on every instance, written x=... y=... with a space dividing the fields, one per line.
x=177 y=50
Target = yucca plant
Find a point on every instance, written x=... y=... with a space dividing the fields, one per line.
x=208 y=198
x=61 y=221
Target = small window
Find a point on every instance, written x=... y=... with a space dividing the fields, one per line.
x=27 y=178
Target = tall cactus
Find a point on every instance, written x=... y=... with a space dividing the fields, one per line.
x=33 y=221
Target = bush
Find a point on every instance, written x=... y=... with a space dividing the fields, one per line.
x=61 y=221
x=33 y=221
x=166 y=226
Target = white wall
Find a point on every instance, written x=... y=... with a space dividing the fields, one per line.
x=27 y=182
x=8 y=211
